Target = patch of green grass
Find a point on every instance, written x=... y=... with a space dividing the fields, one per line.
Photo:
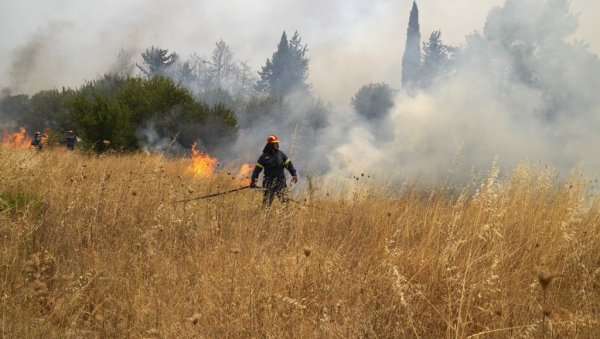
x=19 y=202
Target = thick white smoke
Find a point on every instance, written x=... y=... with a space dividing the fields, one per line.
x=519 y=91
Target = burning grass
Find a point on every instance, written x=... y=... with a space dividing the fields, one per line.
x=18 y=139
x=202 y=165
x=109 y=255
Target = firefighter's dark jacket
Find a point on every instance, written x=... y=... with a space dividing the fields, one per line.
x=71 y=140
x=37 y=141
x=273 y=162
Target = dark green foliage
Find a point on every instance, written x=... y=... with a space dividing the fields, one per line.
x=411 y=61
x=227 y=115
x=114 y=112
x=287 y=71
x=219 y=129
x=49 y=110
x=261 y=109
x=158 y=97
x=14 y=107
x=436 y=59
x=108 y=84
x=298 y=64
x=318 y=115
x=97 y=117
x=223 y=97
x=44 y=110
x=373 y=101
x=100 y=118
x=157 y=62
x=157 y=103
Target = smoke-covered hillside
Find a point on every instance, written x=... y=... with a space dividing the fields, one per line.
x=519 y=90
x=519 y=87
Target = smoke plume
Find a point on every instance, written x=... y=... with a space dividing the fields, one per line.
x=519 y=91
x=519 y=88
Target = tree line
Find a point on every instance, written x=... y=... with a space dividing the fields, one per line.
x=161 y=99
x=164 y=102
x=109 y=112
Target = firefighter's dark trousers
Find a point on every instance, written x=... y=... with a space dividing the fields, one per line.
x=274 y=188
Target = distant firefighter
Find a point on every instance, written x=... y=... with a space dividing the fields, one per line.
x=37 y=141
x=273 y=161
x=70 y=140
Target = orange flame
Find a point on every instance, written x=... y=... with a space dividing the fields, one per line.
x=45 y=137
x=17 y=139
x=203 y=165
x=244 y=173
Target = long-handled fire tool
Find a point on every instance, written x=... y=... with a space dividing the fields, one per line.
x=213 y=194
x=259 y=188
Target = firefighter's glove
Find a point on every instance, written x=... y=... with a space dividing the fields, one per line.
x=295 y=179
x=252 y=184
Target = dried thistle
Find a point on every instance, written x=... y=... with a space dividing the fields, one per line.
x=307 y=251
x=194 y=319
x=545 y=278
x=99 y=319
x=498 y=311
x=547 y=311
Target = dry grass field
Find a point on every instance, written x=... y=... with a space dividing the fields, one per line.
x=92 y=246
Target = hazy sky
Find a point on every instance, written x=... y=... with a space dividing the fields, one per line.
x=54 y=43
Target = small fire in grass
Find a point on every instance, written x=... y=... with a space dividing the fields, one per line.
x=17 y=139
x=203 y=165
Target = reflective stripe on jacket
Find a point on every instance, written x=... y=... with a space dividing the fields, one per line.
x=274 y=163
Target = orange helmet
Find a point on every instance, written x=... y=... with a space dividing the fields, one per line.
x=272 y=139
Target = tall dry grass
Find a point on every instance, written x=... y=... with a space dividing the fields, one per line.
x=93 y=247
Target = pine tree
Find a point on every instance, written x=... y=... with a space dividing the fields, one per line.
x=411 y=62
x=157 y=61
x=299 y=63
x=286 y=72
x=436 y=57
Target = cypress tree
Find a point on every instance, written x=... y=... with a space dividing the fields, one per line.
x=411 y=61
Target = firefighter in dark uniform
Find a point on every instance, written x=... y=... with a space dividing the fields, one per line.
x=274 y=162
x=37 y=141
x=70 y=140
